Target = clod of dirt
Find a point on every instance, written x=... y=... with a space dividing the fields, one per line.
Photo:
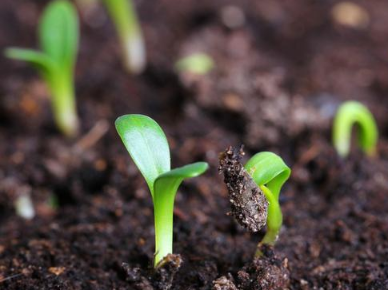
x=166 y=270
x=224 y=283
x=136 y=279
x=159 y=279
x=267 y=272
x=248 y=203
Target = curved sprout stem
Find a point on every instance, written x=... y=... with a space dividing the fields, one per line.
x=349 y=114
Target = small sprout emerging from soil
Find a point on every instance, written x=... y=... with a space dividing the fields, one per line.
x=198 y=63
x=147 y=144
x=128 y=29
x=58 y=34
x=254 y=190
x=349 y=114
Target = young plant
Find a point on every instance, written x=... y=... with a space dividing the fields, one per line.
x=148 y=147
x=198 y=63
x=254 y=191
x=58 y=35
x=349 y=114
x=128 y=29
x=269 y=172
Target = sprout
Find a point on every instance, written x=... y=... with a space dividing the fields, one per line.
x=269 y=172
x=264 y=174
x=58 y=34
x=148 y=147
x=128 y=29
x=348 y=114
x=198 y=63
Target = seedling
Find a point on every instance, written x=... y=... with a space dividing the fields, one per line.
x=264 y=174
x=58 y=35
x=349 y=114
x=148 y=147
x=128 y=29
x=269 y=172
x=198 y=63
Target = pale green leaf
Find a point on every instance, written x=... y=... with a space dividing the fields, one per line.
x=58 y=32
x=147 y=144
x=37 y=59
x=267 y=168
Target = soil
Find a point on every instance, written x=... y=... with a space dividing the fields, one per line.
x=248 y=203
x=282 y=68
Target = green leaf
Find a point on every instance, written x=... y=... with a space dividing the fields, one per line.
x=58 y=32
x=166 y=186
x=349 y=114
x=267 y=168
x=269 y=172
x=39 y=60
x=147 y=144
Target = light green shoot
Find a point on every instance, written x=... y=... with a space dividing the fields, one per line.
x=58 y=35
x=148 y=147
x=349 y=114
x=129 y=32
x=269 y=172
x=198 y=63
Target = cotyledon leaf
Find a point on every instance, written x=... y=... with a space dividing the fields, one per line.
x=147 y=144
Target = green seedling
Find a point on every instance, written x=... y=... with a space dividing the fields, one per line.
x=254 y=190
x=128 y=29
x=58 y=35
x=269 y=172
x=198 y=63
x=148 y=147
x=349 y=114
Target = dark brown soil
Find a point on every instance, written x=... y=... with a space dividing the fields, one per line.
x=279 y=76
x=248 y=203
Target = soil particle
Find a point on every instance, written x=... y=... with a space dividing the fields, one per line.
x=166 y=270
x=248 y=203
x=136 y=279
x=267 y=272
x=160 y=278
x=224 y=283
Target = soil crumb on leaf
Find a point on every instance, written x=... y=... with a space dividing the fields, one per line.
x=248 y=203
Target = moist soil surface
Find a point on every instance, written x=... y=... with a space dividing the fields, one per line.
x=282 y=68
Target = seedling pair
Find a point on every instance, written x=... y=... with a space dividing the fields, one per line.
x=148 y=147
x=349 y=114
x=147 y=144
x=58 y=37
